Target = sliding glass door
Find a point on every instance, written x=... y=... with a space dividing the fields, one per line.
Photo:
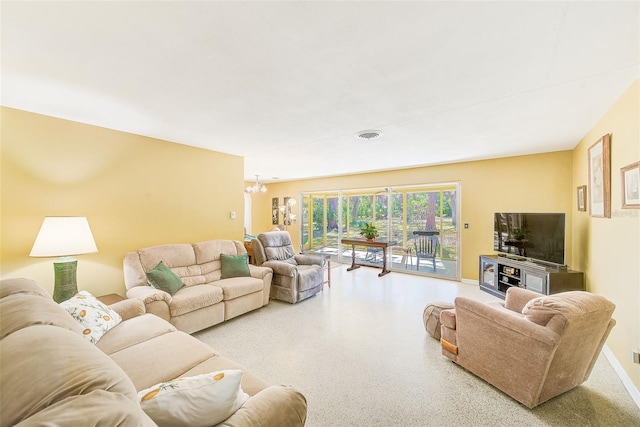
x=397 y=212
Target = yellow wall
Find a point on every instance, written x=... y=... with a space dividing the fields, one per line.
x=139 y=191
x=608 y=249
x=135 y=192
x=536 y=183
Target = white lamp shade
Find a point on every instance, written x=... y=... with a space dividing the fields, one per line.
x=64 y=236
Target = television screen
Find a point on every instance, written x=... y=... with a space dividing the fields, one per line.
x=538 y=236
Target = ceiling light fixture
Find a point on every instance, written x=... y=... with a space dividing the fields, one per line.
x=256 y=188
x=369 y=134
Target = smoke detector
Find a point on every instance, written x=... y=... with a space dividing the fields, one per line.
x=369 y=134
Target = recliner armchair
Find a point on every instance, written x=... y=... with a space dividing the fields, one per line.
x=295 y=276
x=533 y=347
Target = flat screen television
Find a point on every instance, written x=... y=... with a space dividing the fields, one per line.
x=533 y=236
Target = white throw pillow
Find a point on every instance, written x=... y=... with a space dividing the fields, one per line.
x=94 y=317
x=201 y=400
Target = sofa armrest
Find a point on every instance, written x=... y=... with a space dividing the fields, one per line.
x=277 y=406
x=259 y=272
x=448 y=318
x=281 y=268
x=517 y=298
x=147 y=294
x=129 y=308
x=309 y=259
x=266 y=275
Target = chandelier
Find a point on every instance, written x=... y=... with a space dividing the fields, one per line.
x=256 y=188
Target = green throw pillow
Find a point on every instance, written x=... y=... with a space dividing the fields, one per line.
x=234 y=266
x=161 y=277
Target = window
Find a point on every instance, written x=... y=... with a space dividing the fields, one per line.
x=397 y=212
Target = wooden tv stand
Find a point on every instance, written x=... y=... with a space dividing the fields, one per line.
x=499 y=273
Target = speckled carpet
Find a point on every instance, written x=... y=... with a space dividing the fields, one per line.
x=361 y=356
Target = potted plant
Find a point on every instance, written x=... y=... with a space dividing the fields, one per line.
x=369 y=231
x=519 y=233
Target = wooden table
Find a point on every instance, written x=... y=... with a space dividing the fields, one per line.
x=248 y=245
x=110 y=299
x=384 y=244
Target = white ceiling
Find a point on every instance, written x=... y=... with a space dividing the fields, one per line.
x=288 y=84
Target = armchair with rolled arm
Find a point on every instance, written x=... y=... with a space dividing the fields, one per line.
x=295 y=276
x=533 y=347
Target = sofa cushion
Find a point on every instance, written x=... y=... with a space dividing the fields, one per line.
x=93 y=316
x=208 y=256
x=278 y=246
x=21 y=310
x=567 y=304
x=211 y=250
x=239 y=286
x=173 y=255
x=162 y=358
x=193 y=298
x=71 y=366
x=234 y=266
x=251 y=383
x=96 y=408
x=198 y=401
x=22 y=286
x=161 y=277
x=134 y=331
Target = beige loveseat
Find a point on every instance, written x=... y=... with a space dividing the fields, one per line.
x=52 y=375
x=206 y=299
x=533 y=347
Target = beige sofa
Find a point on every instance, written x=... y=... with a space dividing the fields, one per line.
x=52 y=375
x=533 y=347
x=206 y=299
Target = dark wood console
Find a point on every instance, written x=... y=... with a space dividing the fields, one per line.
x=499 y=273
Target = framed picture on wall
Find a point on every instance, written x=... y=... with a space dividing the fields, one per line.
x=286 y=216
x=631 y=186
x=582 y=198
x=275 y=217
x=599 y=157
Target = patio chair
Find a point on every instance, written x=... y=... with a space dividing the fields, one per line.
x=426 y=245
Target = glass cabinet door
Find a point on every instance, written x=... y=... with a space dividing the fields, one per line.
x=535 y=282
x=488 y=273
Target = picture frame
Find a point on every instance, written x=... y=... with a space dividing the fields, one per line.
x=630 y=175
x=286 y=216
x=275 y=215
x=599 y=158
x=581 y=192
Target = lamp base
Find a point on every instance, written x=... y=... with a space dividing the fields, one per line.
x=65 y=285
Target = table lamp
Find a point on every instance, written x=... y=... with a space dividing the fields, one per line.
x=64 y=236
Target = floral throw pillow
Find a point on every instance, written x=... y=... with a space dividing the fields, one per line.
x=201 y=400
x=94 y=317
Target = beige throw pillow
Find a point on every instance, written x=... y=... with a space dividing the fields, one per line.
x=201 y=400
x=94 y=317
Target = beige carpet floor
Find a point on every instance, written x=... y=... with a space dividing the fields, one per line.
x=360 y=355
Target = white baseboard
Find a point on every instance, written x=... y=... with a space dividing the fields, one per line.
x=617 y=367
x=470 y=282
